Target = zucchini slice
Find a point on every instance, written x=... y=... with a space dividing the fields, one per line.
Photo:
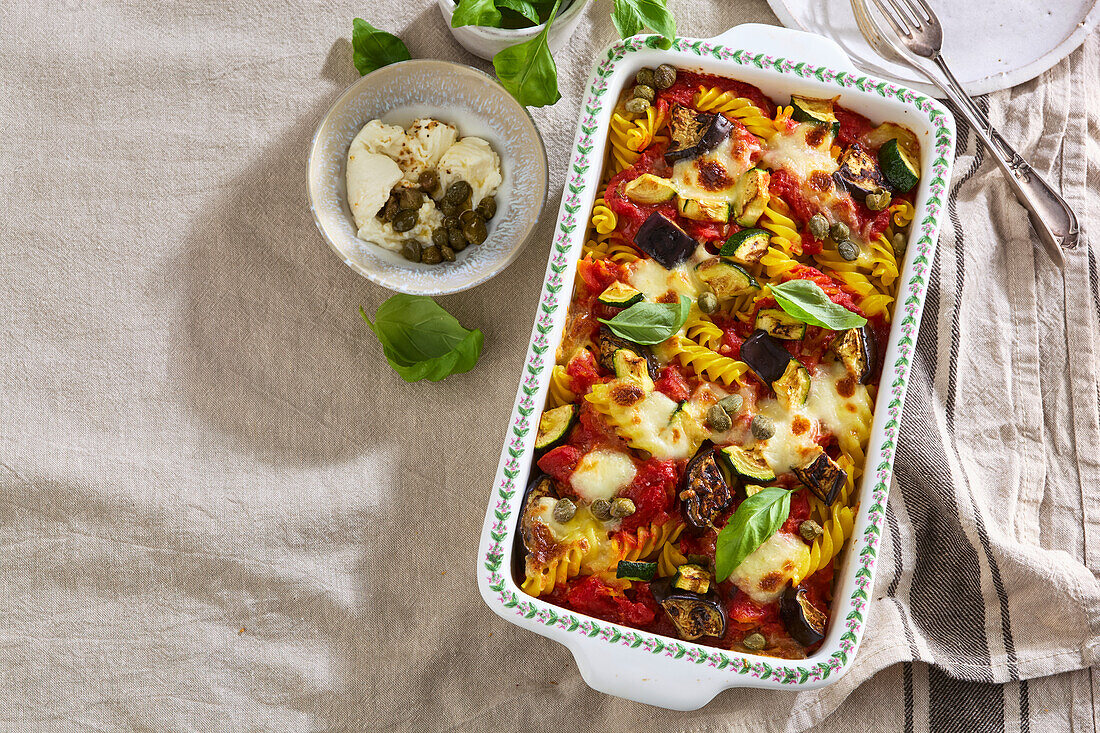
x=780 y=324
x=630 y=366
x=751 y=196
x=749 y=466
x=811 y=109
x=793 y=388
x=747 y=246
x=897 y=166
x=555 y=426
x=692 y=578
x=726 y=278
x=649 y=189
x=640 y=571
x=620 y=295
x=701 y=210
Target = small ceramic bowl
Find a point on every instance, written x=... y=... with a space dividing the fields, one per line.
x=488 y=42
x=477 y=105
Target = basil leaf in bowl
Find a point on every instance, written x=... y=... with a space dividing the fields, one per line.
x=423 y=341
x=806 y=301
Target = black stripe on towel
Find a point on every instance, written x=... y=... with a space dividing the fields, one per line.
x=957 y=706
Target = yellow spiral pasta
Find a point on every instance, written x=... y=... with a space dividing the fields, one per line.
x=621 y=252
x=784 y=231
x=700 y=329
x=620 y=154
x=884 y=264
x=777 y=263
x=645 y=541
x=645 y=129
x=877 y=304
x=713 y=366
x=669 y=560
x=838 y=527
x=604 y=220
x=903 y=212
x=595 y=249
x=583 y=548
x=752 y=117
x=560 y=392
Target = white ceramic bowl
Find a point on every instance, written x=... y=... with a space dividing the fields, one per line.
x=476 y=104
x=488 y=42
x=640 y=665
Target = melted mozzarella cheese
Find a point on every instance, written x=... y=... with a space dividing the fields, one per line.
x=601 y=474
x=793 y=442
x=788 y=150
x=656 y=282
x=713 y=176
x=764 y=573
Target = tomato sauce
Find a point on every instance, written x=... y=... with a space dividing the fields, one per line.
x=689 y=82
x=853 y=126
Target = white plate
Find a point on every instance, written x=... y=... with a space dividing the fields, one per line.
x=990 y=44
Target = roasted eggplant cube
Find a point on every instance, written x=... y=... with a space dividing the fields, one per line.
x=802 y=619
x=859 y=172
x=765 y=355
x=694 y=133
x=704 y=492
x=823 y=476
x=665 y=242
x=856 y=349
x=694 y=615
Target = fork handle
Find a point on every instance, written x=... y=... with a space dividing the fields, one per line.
x=1050 y=215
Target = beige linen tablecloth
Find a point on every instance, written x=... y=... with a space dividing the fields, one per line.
x=221 y=510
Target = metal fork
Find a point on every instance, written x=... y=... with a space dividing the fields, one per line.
x=917 y=40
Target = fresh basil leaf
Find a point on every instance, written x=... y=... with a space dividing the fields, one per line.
x=527 y=69
x=756 y=519
x=523 y=7
x=423 y=341
x=373 y=49
x=632 y=16
x=649 y=323
x=806 y=301
x=476 y=12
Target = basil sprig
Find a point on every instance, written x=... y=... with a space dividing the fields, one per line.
x=527 y=69
x=649 y=323
x=423 y=341
x=756 y=519
x=632 y=16
x=372 y=48
x=476 y=12
x=806 y=301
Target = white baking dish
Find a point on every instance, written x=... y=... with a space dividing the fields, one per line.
x=661 y=670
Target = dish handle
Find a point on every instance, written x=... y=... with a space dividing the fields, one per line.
x=778 y=41
x=619 y=670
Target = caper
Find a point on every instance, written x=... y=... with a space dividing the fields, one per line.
x=645 y=92
x=647 y=77
x=475 y=231
x=456 y=239
x=732 y=404
x=564 y=509
x=878 y=200
x=410 y=198
x=467 y=217
x=762 y=427
x=431 y=256
x=756 y=642
x=410 y=250
x=819 y=226
x=899 y=244
x=622 y=507
x=718 y=419
x=708 y=302
x=428 y=180
x=839 y=232
x=451 y=221
x=457 y=193
x=390 y=209
x=487 y=207
x=637 y=106
x=448 y=253
x=848 y=249
x=601 y=509
x=448 y=209
x=405 y=220
x=810 y=530
x=664 y=76
x=439 y=237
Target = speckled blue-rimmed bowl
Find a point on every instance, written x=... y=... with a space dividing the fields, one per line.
x=477 y=105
